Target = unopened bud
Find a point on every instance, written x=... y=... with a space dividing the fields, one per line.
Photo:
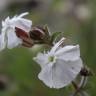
x=27 y=41
x=37 y=33
x=85 y=72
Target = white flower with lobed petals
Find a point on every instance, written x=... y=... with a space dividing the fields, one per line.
x=60 y=66
x=8 y=37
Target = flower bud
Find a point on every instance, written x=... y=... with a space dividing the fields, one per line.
x=27 y=41
x=37 y=33
x=86 y=72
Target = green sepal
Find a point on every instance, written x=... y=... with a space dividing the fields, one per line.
x=55 y=35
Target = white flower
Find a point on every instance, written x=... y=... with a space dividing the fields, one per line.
x=60 y=66
x=8 y=35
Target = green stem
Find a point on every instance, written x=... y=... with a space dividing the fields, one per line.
x=79 y=87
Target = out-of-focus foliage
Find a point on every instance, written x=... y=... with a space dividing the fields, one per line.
x=76 y=18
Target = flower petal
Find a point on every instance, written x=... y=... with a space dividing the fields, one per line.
x=60 y=74
x=69 y=53
x=13 y=40
x=65 y=72
x=41 y=59
x=46 y=75
x=23 y=14
x=24 y=24
x=2 y=41
x=57 y=45
x=3 y=23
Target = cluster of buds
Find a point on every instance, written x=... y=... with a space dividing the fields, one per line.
x=37 y=35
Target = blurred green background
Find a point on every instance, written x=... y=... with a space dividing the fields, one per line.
x=76 y=18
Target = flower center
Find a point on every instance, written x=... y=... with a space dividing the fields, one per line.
x=51 y=58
